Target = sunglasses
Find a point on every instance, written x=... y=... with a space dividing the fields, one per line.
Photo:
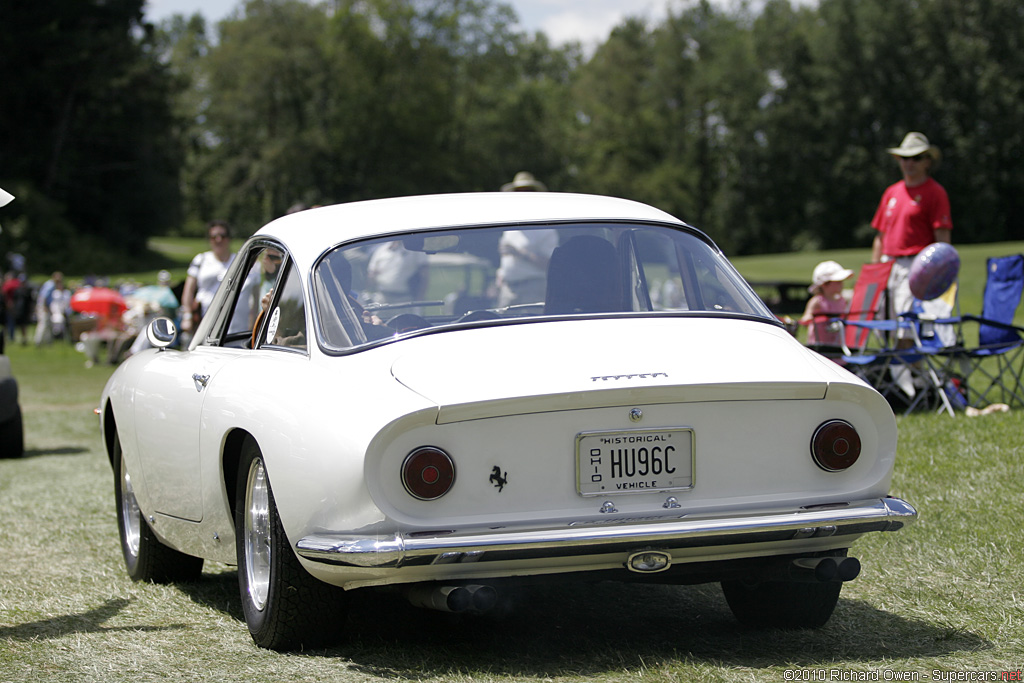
x=919 y=157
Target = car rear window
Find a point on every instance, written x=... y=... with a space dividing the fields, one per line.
x=386 y=288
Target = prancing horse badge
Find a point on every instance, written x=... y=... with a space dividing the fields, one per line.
x=498 y=479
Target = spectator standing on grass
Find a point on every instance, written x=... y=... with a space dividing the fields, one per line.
x=44 y=303
x=60 y=306
x=18 y=300
x=10 y=293
x=204 y=276
x=912 y=214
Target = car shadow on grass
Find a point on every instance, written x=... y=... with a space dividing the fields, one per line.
x=582 y=629
x=59 y=450
x=90 y=621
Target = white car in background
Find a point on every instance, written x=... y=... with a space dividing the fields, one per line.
x=362 y=406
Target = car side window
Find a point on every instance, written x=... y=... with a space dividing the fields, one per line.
x=286 y=325
x=243 y=315
x=257 y=275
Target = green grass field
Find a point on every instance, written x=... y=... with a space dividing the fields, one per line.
x=941 y=600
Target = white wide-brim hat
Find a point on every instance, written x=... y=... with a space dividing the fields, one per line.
x=524 y=180
x=828 y=271
x=5 y=197
x=915 y=143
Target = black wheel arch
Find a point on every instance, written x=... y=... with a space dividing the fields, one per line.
x=109 y=431
x=230 y=459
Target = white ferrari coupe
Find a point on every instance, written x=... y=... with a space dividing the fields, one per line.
x=453 y=395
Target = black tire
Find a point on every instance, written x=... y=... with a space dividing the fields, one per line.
x=782 y=604
x=12 y=436
x=145 y=557
x=285 y=607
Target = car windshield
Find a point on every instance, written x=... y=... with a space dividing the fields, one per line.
x=383 y=288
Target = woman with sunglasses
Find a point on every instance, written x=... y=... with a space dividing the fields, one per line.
x=913 y=213
x=204 y=275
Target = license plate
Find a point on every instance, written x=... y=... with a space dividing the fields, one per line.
x=634 y=461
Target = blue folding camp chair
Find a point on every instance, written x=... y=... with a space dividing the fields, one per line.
x=991 y=371
x=935 y=336
x=909 y=378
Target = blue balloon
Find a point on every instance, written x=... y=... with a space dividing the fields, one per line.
x=934 y=270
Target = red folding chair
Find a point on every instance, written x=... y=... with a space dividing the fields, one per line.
x=868 y=304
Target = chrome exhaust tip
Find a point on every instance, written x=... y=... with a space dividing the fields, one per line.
x=456 y=599
x=483 y=598
x=825 y=569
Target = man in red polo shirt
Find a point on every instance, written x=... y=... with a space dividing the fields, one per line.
x=913 y=213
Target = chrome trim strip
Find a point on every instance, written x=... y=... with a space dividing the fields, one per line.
x=626 y=397
x=854 y=518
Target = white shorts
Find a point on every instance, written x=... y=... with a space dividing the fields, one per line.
x=900 y=298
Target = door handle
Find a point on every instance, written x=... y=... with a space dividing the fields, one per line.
x=200 y=381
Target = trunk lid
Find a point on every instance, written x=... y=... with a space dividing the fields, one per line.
x=566 y=365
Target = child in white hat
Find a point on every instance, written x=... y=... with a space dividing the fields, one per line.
x=827 y=302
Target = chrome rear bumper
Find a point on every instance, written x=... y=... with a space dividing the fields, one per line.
x=510 y=543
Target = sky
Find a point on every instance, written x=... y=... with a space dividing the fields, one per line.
x=588 y=21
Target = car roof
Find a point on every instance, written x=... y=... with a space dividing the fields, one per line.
x=308 y=233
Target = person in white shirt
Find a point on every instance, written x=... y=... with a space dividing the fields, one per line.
x=204 y=275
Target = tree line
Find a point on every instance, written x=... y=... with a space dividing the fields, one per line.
x=765 y=128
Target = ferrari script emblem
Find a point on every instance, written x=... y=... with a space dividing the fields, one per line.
x=641 y=375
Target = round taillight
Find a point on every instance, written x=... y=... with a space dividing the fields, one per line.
x=835 y=445
x=428 y=473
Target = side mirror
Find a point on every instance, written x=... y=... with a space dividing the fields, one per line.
x=161 y=333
